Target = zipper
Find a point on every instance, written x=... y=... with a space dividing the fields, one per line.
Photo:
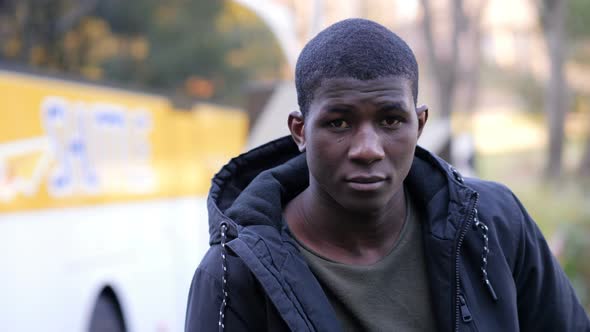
x=465 y=313
x=460 y=309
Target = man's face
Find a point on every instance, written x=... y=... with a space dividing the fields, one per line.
x=360 y=137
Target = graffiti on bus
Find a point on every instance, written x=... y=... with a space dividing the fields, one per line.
x=88 y=149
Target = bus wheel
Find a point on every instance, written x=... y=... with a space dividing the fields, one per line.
x=107 y=316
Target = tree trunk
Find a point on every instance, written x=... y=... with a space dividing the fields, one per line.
x=556 y=93
x=472 y=74
x=446 y=94
x=444 y=68
x=585 y=163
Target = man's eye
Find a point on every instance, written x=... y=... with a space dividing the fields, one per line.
x=339 y=124
x=391 y=122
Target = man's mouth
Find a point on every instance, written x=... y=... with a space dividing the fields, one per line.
x=366 y=182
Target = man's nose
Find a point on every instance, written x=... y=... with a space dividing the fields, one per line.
x=366 y=146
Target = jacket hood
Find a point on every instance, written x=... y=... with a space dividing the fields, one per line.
x=247 y=198
x=253 y=187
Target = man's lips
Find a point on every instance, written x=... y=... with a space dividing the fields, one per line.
x=365 y=178
x=366 y=182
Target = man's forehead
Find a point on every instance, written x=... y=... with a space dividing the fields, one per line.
x=398 y=86
x=351 y=83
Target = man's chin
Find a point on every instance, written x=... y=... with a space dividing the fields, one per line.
x=366 y=206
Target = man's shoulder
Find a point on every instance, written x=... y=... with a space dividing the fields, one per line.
x=498 y=206
x=211 y=263
x=486 y=187
x=494 y=195
x=218 y=262
x=218 y=279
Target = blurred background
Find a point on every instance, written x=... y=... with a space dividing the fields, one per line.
x=115 y=114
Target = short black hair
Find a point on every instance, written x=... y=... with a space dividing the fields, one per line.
x=355 y=48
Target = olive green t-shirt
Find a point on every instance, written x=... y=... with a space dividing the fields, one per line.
x=390 y=295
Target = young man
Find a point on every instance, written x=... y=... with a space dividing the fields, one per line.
x=348 y=225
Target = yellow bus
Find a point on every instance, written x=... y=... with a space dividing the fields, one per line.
x=103 y=203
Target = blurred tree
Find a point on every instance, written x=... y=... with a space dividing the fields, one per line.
x=585 y=161
x=553 y=15
x=33 y=31
x=578 y=22
x=474 y=34
x=187 y=49
x=194 y=49
x=578 y=28
x=446 y=62
x=163 y=43
x=565 y=25
x=444 y=67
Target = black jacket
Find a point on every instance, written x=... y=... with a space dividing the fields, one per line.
x=489 y=267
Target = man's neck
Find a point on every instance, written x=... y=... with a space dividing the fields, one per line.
x=325 y=227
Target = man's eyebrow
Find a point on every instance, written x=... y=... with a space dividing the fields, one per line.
x=337 y=108
x=392 y=106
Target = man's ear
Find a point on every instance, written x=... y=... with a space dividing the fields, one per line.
x=297 y=127
x=422 y=112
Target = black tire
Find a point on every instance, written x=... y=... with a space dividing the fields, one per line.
x=107 y=316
